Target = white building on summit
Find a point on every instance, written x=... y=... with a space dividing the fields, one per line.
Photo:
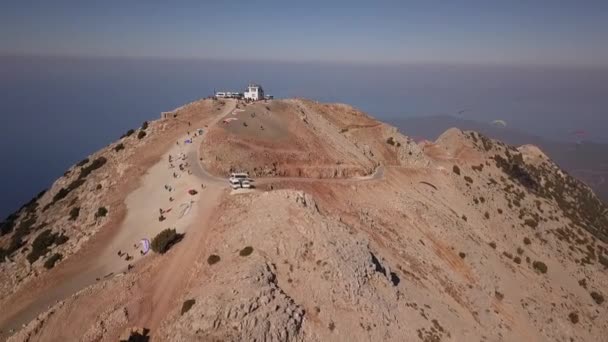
x=254 y=92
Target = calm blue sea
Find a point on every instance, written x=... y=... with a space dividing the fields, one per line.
x=54 y=111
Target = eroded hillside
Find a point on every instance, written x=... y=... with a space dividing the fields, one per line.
x=462 y=239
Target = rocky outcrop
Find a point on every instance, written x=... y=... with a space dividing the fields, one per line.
x=258 y=310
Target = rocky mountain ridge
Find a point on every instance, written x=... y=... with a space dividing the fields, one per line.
x=464 y=238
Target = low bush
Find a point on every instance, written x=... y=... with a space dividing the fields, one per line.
x=456 y=170
x=61 y=239
x=144 y=125
x=101 y=212
x=83 y=162
x=487 y=215
x=246 y=251
x=128 y=134
x=493 y=244
x=603 y=260
x=141 y=135
x=41 y=245
x=517 y=260
x=74 y=212
x=390 y=141
x=527 y=241
x=96 y=164
x=50 y=262
x=531 y=223
x=187 y=305
x=213 y=259
x=468 y=179
x=520 y=250
x=8 y=224
x=119 y=147
x=462 y=255
x=540 y=266
x=61 y=194
x=597 y=297
x=573 y=316
x=164 y=240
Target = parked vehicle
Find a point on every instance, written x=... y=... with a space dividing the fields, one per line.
x=234 y=183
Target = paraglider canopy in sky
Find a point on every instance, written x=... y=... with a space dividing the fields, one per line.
x=500 y=123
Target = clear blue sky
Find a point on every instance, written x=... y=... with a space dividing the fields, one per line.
x=551 y=32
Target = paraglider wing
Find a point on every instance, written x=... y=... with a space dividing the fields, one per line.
x=145 y=245
x=501 y=123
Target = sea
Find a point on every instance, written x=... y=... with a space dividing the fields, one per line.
x=54 y=111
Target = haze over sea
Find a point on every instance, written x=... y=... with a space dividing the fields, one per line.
x=57 y=110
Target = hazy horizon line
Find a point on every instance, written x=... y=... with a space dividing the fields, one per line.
x=308 y=61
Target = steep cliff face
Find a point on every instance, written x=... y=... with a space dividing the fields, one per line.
x=464 y=238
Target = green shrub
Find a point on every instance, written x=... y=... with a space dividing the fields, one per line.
x=164 y=240
x=61 y=194
x=41 y=245
x=540 y=266
x=597 y=297
x=61 y=239
x=74 y=212
x=128 y=134
x=96 y=164
x=8 y=224
x=101 y=212
x=246 y=251
x=187 y=305
x=456 y=170
x=141 y=135
x=50 y=262
x=82 y=162
x=119 y=147
x=213 y=259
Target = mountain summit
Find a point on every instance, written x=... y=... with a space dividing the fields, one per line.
x=353 y=232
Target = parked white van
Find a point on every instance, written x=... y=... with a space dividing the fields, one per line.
x=234 y=183
x=239 y=175
x=246 y=184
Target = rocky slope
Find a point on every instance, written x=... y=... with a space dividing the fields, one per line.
x=462 y=239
